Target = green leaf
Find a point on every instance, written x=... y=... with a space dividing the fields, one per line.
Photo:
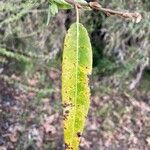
x=53 y=9
x=62 y=4
x=77 y=64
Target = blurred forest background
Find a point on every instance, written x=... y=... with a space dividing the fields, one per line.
x=30 y=77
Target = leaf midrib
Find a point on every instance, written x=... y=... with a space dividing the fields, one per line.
x=76 y=70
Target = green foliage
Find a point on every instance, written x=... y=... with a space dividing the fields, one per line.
x=144 y=85
x=60 y=4
x=53 y=9
x=13 y=55
x=106 y=66
x=26 y=7
x=77 y=64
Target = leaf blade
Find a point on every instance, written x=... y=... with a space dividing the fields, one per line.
x=77 y=64
x=62 y=4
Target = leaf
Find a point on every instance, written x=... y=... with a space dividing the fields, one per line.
x=53 y=9
x=62 y=4
x=77 y=64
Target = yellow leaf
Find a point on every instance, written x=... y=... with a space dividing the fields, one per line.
x=77 y=64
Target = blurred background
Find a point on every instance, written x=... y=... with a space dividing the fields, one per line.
x=30 y=77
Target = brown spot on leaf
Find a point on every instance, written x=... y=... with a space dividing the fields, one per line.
x=66 y=114
x=67 y=111
x=66 y=105
x=64 y=118
x=78 y=134
x=68 y=147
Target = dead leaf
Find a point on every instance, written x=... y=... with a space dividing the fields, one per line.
x=51 y=118
x=148 y=141
x=49 y=128
x=13 y=137
x=54 y=74
x=2 y=148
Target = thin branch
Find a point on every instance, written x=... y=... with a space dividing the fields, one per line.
x=136 y=81
x=14 y=55
x=135 y=16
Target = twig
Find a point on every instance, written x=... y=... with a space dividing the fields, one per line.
x=135 y=16
x=136 y=81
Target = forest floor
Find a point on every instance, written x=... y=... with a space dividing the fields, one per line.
x=116 y=121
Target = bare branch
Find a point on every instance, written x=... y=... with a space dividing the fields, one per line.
x=135 y=16
x=136 y=81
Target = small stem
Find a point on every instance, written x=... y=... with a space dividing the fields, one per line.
x=77 y=13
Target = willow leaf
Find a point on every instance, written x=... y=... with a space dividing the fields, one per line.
x=62 y=4
x=77 y=64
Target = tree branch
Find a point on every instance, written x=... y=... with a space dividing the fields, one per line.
x=135 y=16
